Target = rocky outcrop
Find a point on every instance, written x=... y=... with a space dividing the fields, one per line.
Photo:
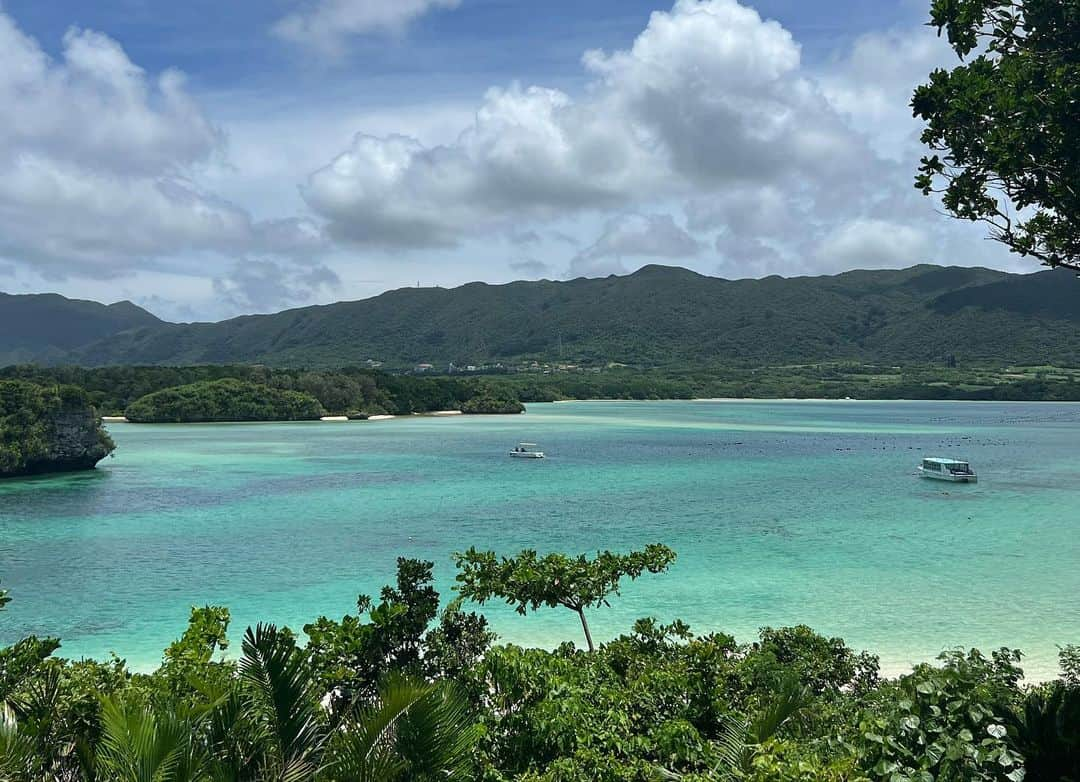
x=76 y=441
x=45 y=430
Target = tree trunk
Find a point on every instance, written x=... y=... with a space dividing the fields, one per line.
x=585 y=627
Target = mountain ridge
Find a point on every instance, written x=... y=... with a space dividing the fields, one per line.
x=47 y=326
x=659 y=315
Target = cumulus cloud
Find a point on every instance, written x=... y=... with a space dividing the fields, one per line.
x=708 y=138
x=709 y=96
x=96 y=165
x=872 y=85
x=326 y=25
x=871 y=243
x=633 y=236
x=531 y=153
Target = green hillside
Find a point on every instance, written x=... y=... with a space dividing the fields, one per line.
x=659 y=316
x=45 y=327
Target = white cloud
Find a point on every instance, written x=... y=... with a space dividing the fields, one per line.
x=267 y=286
x=872 y=85
x=709 y=96
x=96 y=108
x=633 y=236
x=871 y=244
x=326 y=25
x=530 y=153
x=98 y=166
x=707 y=140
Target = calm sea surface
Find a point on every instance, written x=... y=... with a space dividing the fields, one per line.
x=781 y=512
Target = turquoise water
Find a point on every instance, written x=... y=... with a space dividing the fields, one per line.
x=782 y=512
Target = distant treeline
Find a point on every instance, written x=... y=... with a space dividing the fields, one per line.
x=829 y=381
x=196 y=393
x=362 y=392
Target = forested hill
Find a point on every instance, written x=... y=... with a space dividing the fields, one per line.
x=656 y=316
x=46 y=327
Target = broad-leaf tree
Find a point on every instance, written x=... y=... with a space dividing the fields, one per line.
x=350 y=657
x=529 y=581
x=1004 y=124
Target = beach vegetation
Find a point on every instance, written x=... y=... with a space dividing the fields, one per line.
x=527 y=581
x=404 y=632
x=409 y=690
x=1002 y=123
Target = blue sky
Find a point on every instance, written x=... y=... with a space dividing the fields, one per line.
x=207 y=159
x=223 y=45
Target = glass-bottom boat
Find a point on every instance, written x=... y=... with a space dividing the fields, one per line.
x=947 y=470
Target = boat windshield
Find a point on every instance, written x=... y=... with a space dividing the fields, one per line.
x=959 y=467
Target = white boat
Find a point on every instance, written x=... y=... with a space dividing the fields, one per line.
x=527 y=451
x=947 y=470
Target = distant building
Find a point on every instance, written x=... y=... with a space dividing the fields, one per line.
x=424 y=367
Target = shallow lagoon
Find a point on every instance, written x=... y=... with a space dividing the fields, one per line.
x=782 y=512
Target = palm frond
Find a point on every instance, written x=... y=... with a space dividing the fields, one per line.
x=19 y=759
x=733 y=748
x=437 y=735
x=791 y=697
x=231 y=745
x=277 y=677
x=740 y=739
x=414 y=730
x=139 y=744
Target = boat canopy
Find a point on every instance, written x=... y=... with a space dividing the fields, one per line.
x=953 y=466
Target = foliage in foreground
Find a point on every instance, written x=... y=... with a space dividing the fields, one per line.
x=402 y=691
x=1004 y=123
x=529 y=581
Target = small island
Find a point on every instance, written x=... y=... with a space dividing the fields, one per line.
x=313 y=397
x=221 y=401
x=487 y=404
x=47 y=429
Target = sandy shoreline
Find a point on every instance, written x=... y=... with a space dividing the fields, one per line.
x=119 y=419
